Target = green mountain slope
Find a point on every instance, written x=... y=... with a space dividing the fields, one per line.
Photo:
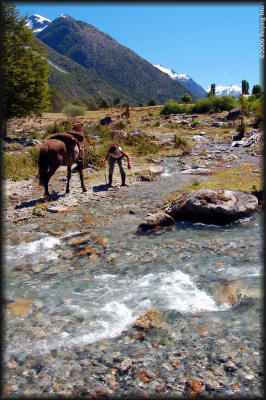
x=75 y=81
x=112 y=69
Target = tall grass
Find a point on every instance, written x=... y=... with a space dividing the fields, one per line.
x=22 y=165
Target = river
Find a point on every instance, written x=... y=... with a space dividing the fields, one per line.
x=85 y=299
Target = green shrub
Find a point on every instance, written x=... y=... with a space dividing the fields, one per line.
x=179 y=142
x=54 y=128
x=72 y=110
x=218 y=104
x=241 y=128
x=195 y=184
x=195 y=124
x=67 y=125
x=172 y=107
x=152 y=102
x=120 y=125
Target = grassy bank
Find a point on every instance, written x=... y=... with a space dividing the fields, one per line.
x=246 y=177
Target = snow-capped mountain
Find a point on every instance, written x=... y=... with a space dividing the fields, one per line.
x=37 y=23
x=232 y=90
x=185 y=79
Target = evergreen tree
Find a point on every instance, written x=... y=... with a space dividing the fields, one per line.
x=24 y=68
x=213 y=87
x=256 y=89
x=117 y=101
x=186 y=98
x=245 y=87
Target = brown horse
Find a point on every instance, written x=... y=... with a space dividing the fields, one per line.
x=62 y=149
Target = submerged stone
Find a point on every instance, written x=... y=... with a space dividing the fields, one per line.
x=152 y=221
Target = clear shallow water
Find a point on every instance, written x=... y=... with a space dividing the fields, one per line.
x=79 y=300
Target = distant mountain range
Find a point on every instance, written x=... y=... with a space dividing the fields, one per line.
x=231 y=90
x=185 y=80
x=87 y=63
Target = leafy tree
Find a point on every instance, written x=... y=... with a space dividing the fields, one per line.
x=213 y=87
x=57 y=99
x=186 y=98
x=92 y=105
x=24 y=68
x=256 y=89
x=73 y=111
x=102 y=103
x=152 y=102
x=78 y=102
x=245 y=87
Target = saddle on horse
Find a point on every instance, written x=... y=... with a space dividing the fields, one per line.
x=70 y=142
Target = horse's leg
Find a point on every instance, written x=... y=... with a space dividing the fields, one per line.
x=48 y=177
x=80 y=168
x=68 y=178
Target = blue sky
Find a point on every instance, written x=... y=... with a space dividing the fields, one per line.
x=212 y=42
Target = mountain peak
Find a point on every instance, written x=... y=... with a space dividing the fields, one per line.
x=227 y=90
x=184 y=79
x=37 y=23
x=64 y=16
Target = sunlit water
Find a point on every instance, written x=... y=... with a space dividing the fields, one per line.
x=79 y=300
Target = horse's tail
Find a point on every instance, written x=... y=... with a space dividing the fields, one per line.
x=43 y=164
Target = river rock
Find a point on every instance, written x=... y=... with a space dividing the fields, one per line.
x=19 y=307
x=235 y=113
x=154 y=171
x=215 y=206
x=253 y=140
x=152 y=221
x=152 y=318
x=198 y=171
x=234 y=292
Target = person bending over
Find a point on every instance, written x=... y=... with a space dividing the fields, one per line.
x=113 y=155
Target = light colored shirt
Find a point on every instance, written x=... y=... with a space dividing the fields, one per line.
x=117 y=153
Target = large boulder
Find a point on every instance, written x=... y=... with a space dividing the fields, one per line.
x=106 y=121
x=235 y=113
x=213 y=206
x=157 y=220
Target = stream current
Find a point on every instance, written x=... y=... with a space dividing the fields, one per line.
x=85 y=299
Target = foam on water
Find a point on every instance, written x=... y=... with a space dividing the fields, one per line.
x=115 y=303
x=25 y=252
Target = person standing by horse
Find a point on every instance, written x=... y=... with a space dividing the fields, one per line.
x=79 y=135
x=113 y=155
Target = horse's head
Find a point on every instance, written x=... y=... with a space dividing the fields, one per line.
x=77 y=126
